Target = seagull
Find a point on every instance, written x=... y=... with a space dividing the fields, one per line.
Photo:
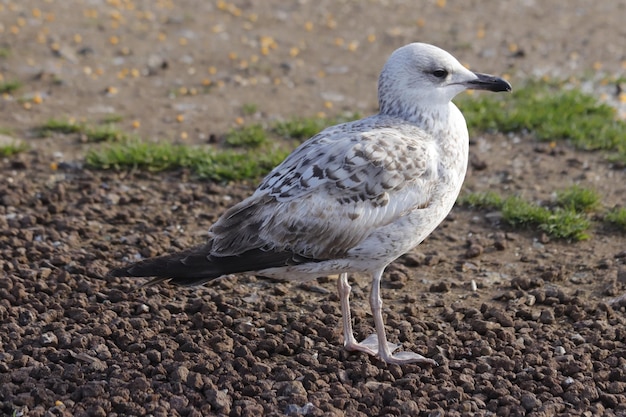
x=352 y=198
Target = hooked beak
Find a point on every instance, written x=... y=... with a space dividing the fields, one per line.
x=488 y=82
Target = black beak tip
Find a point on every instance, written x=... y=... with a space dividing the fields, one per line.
x=506 y=86
x=490 y=83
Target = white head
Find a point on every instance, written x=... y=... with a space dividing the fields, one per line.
x=421 y=76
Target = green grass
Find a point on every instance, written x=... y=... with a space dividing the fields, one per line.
x=9 y=87
x=567 y=224
x=616 y=217
x=10 y=149
x=551 y=112
x=299 y=127
x=249 y=109
x=101 y=133
x=60 y=126
x=486 y=200
x=104 y=133
x=559 y=223
x=578 y=199
x=567 y=221
x=112 y=118
x=204 y=162
x=306 y=127
x=5 y=52
x=248 y=136
x=256 y=154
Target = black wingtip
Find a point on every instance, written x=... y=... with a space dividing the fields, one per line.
x=196 y=266
x=186 y=268
x=118 y=273
x=141 y=269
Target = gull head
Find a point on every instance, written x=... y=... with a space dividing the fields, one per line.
x=419 y=76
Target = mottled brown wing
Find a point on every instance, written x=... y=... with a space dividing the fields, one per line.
x=333 y=192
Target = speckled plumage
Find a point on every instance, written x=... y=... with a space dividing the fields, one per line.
x=352 y=198
x=329 y=195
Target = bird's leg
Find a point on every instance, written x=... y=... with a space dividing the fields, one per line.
x=349 y=342
x=370 y=344
x=384 y=350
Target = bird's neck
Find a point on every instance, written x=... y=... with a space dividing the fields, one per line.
x=432 y=119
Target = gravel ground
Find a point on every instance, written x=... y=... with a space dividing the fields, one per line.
x=519 y=324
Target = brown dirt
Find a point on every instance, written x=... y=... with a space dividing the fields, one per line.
x=541 y=335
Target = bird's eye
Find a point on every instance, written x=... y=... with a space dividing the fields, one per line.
x=440 y=73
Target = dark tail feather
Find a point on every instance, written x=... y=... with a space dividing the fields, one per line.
x=189 y=267
x=196 y=265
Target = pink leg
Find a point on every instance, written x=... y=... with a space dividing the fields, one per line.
x=370 y=344
x=385 y=349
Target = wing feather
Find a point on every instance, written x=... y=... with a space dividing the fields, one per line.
x=333 y=191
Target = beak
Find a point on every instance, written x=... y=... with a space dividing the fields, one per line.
x=488 y=82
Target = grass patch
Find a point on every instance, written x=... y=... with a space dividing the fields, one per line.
x=64 y=126
x=550 y=112
x=306 y=127
x=567 y=222
x=255 y=158
x=559 y=223
x=248 y=136
x=9 y=87
x=104 y=133
x=578 y=199
x=616 y=217
x=101 y=133
x=519 y=212
x=487 y=200
x=5 y=52
x=142 y=155
x=249 y=109
x=206 y=163
x=10 y=149
x=112 y=118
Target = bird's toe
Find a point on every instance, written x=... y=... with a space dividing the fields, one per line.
x=369 y=345
x=408 y=357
